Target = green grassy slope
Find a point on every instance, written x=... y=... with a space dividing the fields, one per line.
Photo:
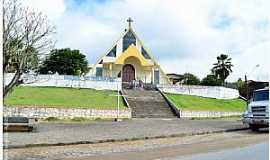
x=188 y=102
x=63 y=97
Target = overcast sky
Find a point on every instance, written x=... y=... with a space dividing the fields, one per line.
x=183 y=35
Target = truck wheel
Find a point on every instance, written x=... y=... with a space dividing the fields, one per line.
x=254 y=127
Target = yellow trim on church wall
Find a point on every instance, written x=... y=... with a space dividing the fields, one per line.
x=132 y=51
x=163 y=74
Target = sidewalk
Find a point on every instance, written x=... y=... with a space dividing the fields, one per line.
x=109 y=131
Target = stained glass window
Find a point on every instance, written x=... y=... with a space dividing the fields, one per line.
x=144 y=53
x=128 y=39
x=112 y=53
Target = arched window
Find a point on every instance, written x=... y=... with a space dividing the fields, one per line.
x=128 y=39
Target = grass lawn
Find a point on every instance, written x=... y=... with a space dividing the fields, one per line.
x=63 y=97
x=188 y=102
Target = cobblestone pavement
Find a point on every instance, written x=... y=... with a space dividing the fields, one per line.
x=140 y=149
x=66 y=133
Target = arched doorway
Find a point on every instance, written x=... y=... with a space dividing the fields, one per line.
x=128 y=73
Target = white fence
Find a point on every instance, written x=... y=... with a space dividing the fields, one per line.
x=99 y=83
x=203 y=91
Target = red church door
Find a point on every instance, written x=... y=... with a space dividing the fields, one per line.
x=128 y=73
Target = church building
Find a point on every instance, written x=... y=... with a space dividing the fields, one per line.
x=129 y=60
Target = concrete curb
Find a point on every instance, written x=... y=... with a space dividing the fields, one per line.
x=173 y=107
x=124 y=139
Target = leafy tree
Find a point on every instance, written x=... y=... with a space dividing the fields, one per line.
x=222 y=68
x=242 y=88
x=65 y=61
x=240 y=83
x=27 y=35
x=190 y=79
x=210 y=80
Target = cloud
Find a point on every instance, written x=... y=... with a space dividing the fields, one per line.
x=183 y=35
x=54 y=9
x=252 y=56
x=90 y=36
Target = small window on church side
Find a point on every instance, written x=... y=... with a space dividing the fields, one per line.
x=128 y=39
x=144 y=53
x=99 y=72
x=112 y=53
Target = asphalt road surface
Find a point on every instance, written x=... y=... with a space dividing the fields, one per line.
x=67 y=133
x=251 y=152
x=222 y=146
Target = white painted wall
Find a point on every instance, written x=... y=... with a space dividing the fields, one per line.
x=203 y=91
x=60 y=81
x=119 y=47
x=138 y=45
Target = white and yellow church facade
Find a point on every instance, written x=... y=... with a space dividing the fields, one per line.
x=128 y=59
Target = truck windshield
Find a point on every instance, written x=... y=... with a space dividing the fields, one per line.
x=261 y=95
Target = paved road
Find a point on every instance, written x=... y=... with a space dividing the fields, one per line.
x=221 y=146
x=252 y=152
x=59 y=133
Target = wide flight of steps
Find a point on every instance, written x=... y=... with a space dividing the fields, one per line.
x=148 y=104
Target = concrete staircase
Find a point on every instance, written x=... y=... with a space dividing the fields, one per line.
x=148 y=104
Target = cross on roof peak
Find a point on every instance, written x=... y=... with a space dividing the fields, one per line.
x=129 y=20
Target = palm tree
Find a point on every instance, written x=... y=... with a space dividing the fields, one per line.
x=222 y=68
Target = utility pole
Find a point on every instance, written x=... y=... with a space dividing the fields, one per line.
x=118 y=102
x=247 y=94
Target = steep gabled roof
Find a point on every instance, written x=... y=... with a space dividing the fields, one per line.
x=149 y=53
x=142 y=45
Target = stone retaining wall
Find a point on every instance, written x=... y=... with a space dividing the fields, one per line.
x=38 y=112
x=207 y=114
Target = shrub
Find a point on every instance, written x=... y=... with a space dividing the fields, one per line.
x=52 y=119
x=79 y=119
x=210 y=80
x=191 y=79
